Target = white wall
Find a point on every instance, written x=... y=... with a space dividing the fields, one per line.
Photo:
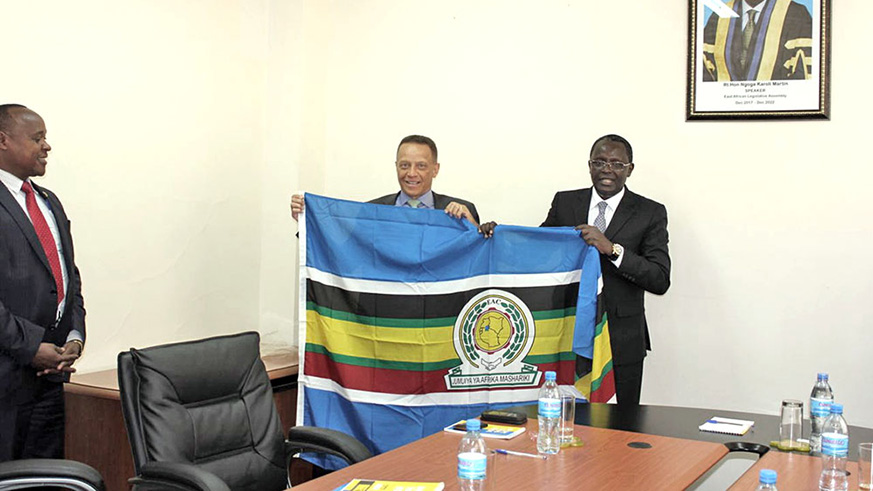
x=155 y=112
x=180 y=128
x=768 y=220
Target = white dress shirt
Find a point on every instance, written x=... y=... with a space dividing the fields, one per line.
x=758 y=8
x=611 y=206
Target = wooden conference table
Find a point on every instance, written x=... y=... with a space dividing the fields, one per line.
x=609 y=459
x=679 y=454
x=795 y=471
x=682 y=422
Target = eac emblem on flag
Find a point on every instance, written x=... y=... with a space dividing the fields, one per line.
x=492 y=335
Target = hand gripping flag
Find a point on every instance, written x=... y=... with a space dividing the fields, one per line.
x=410 y=320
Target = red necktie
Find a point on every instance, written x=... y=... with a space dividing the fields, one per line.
x=45 y=237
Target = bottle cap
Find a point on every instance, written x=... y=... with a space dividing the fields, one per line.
x=836 y=408
x=822 y=376
x=474 y=425
x=550 y=376
x=767 y=476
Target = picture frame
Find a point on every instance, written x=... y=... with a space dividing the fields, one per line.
x=771 y=63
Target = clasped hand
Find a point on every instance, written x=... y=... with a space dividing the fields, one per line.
x=50 y=359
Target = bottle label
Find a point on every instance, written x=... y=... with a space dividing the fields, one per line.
x=835 y=444
x=820 y=408
x=550 y=408
x=472 y=465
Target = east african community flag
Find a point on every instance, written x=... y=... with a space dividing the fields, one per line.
x=411 y=320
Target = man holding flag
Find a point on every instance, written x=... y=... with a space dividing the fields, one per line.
x=417 y=166
x=630 y=232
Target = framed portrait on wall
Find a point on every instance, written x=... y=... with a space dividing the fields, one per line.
x=758 y=59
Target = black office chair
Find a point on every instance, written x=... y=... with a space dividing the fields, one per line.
x=200 y=416
x=55 y=473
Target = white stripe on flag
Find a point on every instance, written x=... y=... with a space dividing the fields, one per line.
x=443 y=287
x=521 y=396
x=301 y=306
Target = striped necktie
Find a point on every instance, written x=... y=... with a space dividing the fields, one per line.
x=413 y=203
x=600 y=221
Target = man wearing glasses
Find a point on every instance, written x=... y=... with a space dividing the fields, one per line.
x=630 y=232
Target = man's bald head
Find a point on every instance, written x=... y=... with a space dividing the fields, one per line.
x=23 y=145
x=7 y=115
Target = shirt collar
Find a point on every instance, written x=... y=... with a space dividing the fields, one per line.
x=612 y=202
x=757 y=8
x=11 y=181
x=426 y=199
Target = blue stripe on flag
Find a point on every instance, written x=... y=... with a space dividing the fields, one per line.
x=341 y=239
x=586 y=305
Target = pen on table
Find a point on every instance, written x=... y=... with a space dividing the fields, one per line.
x=720 y=422
x=520 y=454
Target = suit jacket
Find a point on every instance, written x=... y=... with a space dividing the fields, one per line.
x=640 y=226
x=28 y=301
x=440 y=201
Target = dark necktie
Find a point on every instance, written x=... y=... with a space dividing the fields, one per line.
x=45 y=237
x=600 y=221
x=747 y=37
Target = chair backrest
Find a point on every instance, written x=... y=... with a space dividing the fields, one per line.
x=208 y=403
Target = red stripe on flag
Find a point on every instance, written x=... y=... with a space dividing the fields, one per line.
x=389 y=381
x=606 y=390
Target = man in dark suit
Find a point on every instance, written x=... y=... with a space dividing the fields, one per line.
x=416 y=166
x=42 y=316
x=630 y=232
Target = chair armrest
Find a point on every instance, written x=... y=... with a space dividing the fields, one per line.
x=163 y=475
x=54 y=471
x=325 y=440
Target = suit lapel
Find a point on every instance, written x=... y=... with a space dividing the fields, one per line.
x=439 y=201
x=580 y=211
x=626 y=209
x=12 y=207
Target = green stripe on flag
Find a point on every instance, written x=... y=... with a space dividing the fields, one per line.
x=422 y=323
x=550 y=358
x=544 y=315
x=598 y=329
x=385 y=364
x=595 y=384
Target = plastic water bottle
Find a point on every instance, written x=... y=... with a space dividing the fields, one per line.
x=549 y=417
x=820 y=401
x=766 y=480
x=472 y=459
x=834 y=451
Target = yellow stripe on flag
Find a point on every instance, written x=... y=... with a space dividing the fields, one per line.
x=554 y=336
x=418 y=345
x=405 y=344
x=602 y=354
x=601 y=362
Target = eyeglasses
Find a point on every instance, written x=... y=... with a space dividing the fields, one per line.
x=616 y=166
